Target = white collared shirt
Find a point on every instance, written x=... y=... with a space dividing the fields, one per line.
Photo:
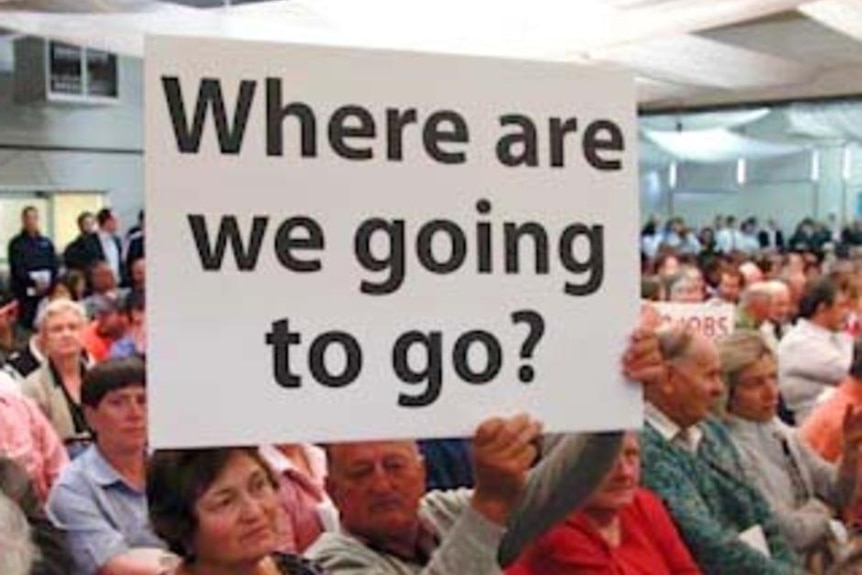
x=112 y=253
x=689 y=438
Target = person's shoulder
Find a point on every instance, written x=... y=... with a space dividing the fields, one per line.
x=288 y=564
x=338 y=550
x=35 y=384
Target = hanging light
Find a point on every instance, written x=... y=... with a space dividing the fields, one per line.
x=815 y=166
x=671 y=176
x=847 y=163
x=740 y=171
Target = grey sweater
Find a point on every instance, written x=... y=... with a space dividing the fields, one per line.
x=572 y=468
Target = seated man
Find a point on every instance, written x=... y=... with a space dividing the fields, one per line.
x=622 y=528
x=815 y=355
x=390 y=525
x=691 y=463
x=27 y=437
x=134 y=342
x=802 y=489
x=100 y=498
x=108 y=327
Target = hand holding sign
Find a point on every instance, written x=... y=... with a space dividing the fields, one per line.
x=503 y=451
x=411 y=254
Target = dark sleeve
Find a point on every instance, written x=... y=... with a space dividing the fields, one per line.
x=71 y=259
x=53 y=261
x=17 y=268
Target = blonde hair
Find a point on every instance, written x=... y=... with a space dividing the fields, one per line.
x=736 y=353
x=58 y=306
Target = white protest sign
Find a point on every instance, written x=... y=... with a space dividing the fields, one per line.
x=712 y=319
x=351 y=244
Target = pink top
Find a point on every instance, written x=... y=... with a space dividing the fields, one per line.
x=822 y=429
x=308 y=509
x=27 y=436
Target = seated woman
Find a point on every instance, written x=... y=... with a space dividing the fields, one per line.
x=218 y=510
x=621 y=529
x=802 y=489
x=56 y=385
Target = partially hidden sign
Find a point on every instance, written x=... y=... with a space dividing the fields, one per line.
x=356 y=244
x=712 y=319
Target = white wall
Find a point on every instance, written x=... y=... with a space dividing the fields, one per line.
x=115 y=130
x=779 y=188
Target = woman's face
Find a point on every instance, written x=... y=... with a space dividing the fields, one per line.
x=61 y=334
x=620 y=484
x=237 y=515
x=755 y=395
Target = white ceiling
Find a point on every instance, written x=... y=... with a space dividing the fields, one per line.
x=686 y=53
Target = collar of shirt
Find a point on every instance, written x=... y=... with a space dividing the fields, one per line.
x=670 y=431
x=746 y=428
x=427 y=541
x=102 y=472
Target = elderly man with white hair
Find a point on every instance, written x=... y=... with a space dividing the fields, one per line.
x=775 y=326
x=755 y=305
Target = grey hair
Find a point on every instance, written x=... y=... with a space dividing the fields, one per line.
x=17 y=551
x=756 y=291
x=57 y=307
x=674 y=342
x=737 y=352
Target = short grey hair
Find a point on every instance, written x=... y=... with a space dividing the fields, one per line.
x=18 y=551
x=58 y=306
x=674 y=342
x=756 y=291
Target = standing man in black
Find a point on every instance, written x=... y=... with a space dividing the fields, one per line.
x=84 y=250
x=32 y=266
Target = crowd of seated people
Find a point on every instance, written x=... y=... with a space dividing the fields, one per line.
x=747 y=462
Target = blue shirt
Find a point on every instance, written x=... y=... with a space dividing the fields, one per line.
x=103 y=516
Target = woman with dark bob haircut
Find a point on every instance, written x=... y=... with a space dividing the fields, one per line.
x=218 y=510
